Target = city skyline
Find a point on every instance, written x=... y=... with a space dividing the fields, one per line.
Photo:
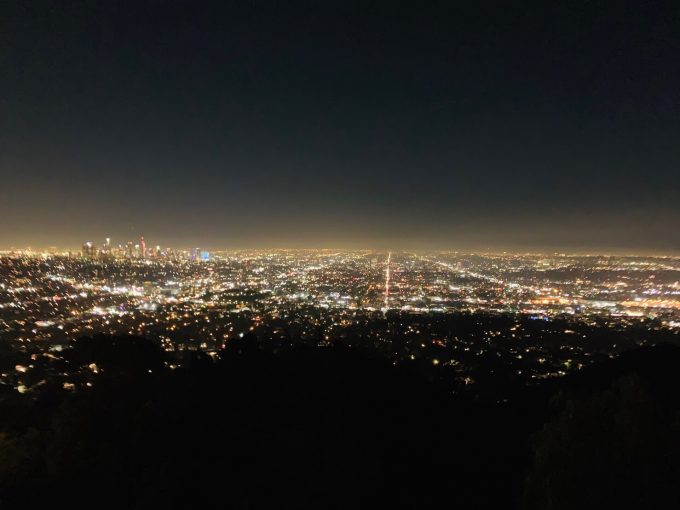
x=545 y=250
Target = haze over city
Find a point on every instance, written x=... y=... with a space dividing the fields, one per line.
x=545 y=126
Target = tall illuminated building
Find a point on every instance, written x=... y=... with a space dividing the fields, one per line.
x=88 y=250
x=142 y=243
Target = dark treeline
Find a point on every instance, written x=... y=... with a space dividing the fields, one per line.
x=334 y=428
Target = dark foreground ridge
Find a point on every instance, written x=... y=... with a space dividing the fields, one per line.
x=333 y=428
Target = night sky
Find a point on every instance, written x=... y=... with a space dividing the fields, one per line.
x=404 y=125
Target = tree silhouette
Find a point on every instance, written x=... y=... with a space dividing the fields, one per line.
x=616 y=448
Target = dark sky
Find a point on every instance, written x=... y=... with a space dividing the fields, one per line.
x=422 y=124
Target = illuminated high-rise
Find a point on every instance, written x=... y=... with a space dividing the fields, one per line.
x=88 y=250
